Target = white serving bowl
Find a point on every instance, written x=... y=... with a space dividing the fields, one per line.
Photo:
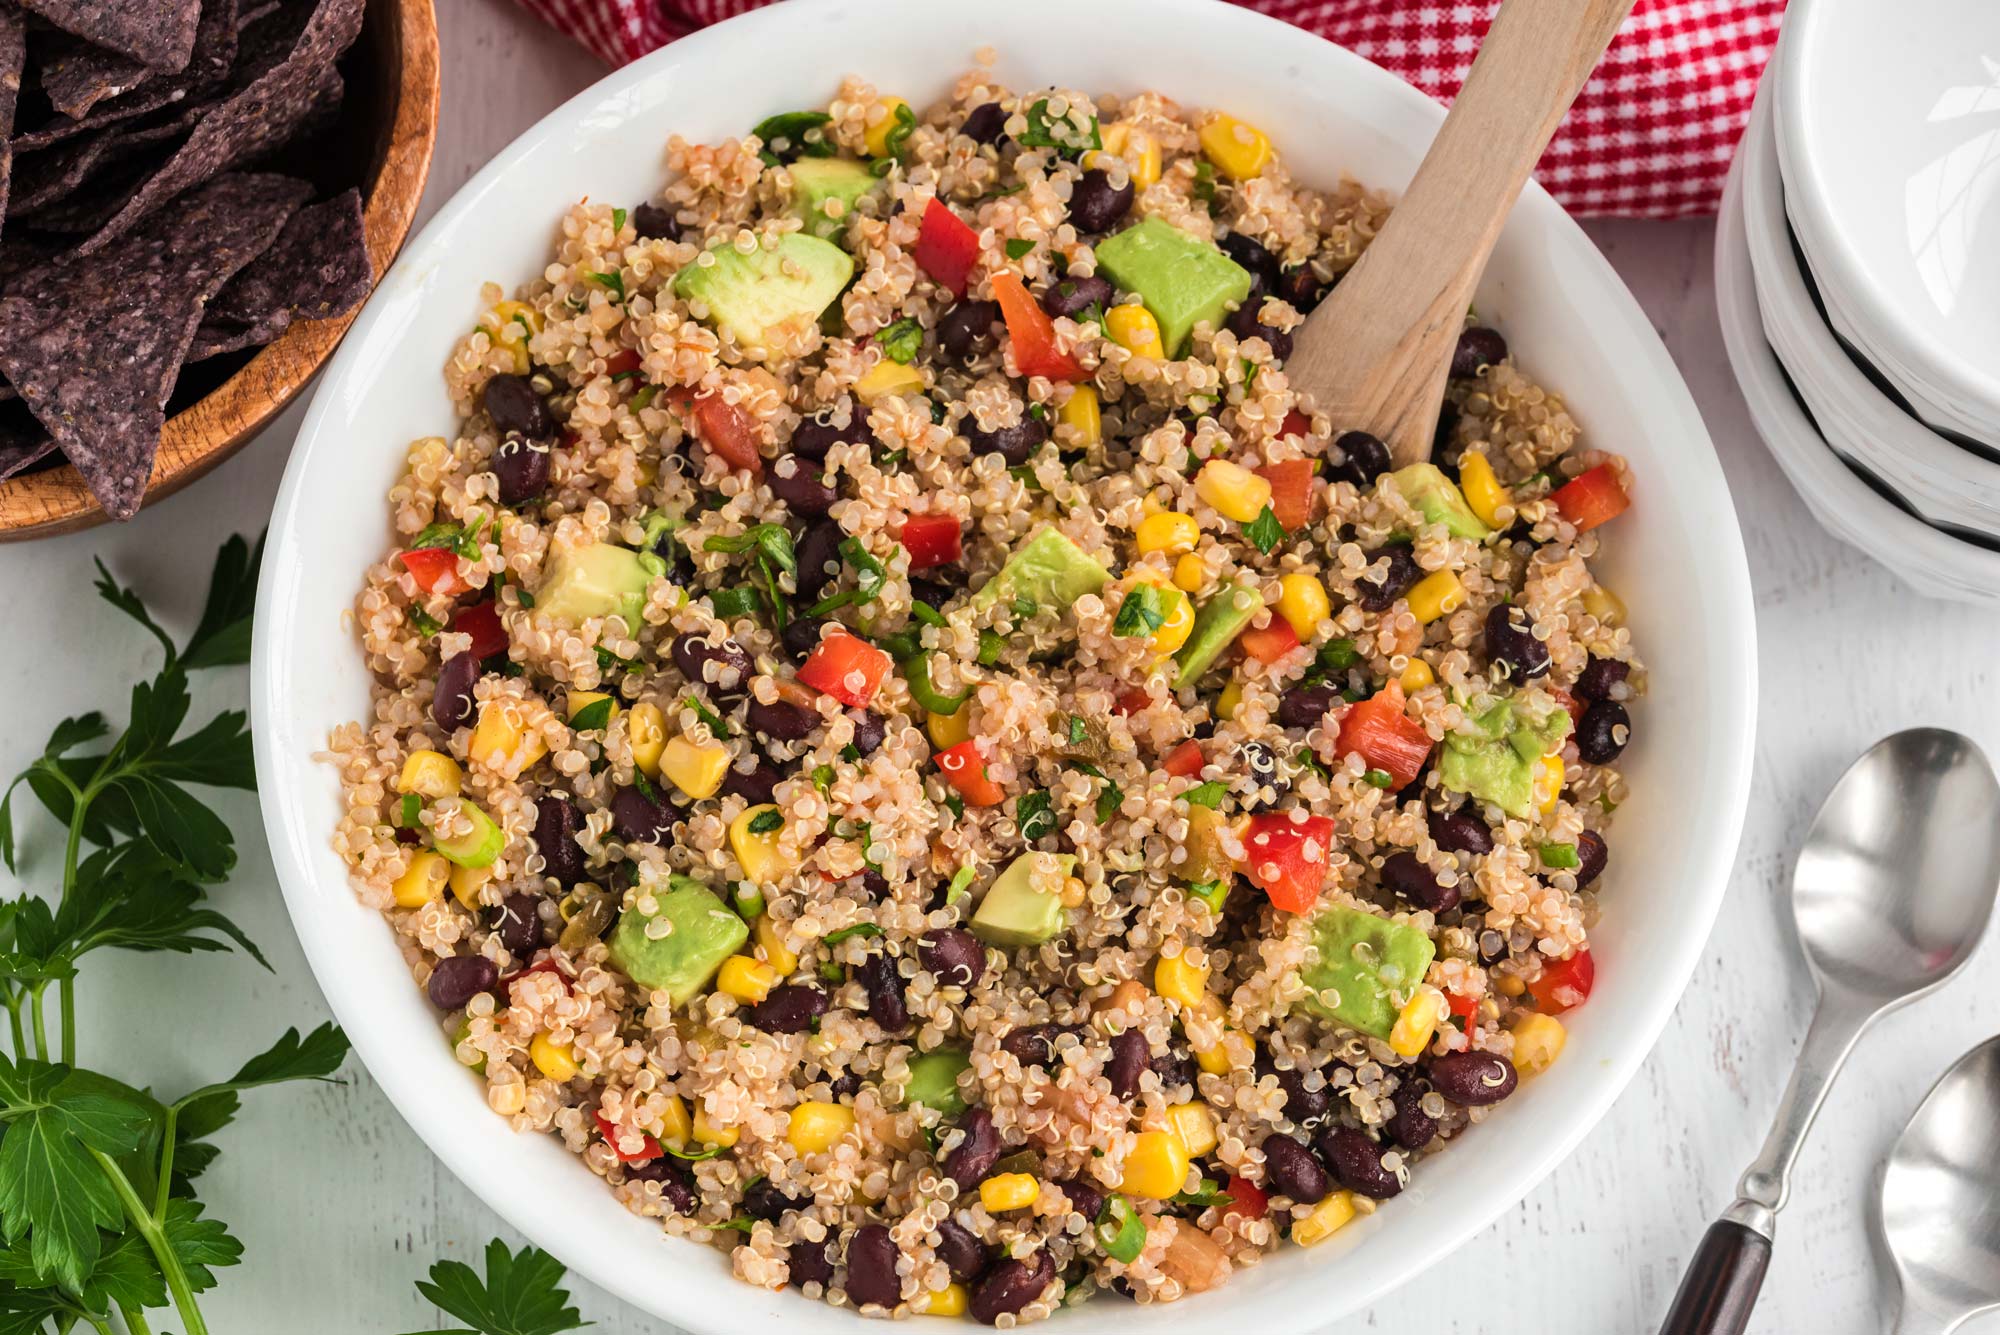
x=1676 y=557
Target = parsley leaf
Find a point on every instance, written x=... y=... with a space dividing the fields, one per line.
x=1034 y=813
x=593 y=717
x=1018 y=247
x=1142 y=612
x=522 y=1294
x=766 y=821
x=716 y=727
x=611 y=281
x=901 y=341
x=617 y=220
x=1209 y=794
x=1265 y=532
x=1067 y=134
x=1109 y=799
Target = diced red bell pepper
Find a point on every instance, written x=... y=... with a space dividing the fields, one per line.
x=932 y=540
x=435 y=570
x=1291 y=492
x=622 y=361
x=650 y=1150
x=1386 y=737
x=1184 y=761
x=846 y=667
x=1036 y=351
x=1297 y=424
x=965 y=769
x=1246 y=1198
x=947 y=248
x=724 y=429
x=1464 y=1007
x=1288 y=859
x=1271 y=643
x=482 y=622
x=1132 y=701
x=1564 y=984
x=1591 y=498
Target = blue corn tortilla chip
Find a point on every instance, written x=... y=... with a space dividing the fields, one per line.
x=76 y=75
x=157 y=33
x=13 y=53
x=207 y=73
x=47 y=179
x=94 y=344
x=317 y=267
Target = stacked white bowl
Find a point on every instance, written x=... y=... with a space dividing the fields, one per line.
x=1858 y=276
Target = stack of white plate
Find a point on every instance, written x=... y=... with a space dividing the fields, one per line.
x=1858 y=275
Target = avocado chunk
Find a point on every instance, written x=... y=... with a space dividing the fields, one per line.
x=1495 y=759
x=772 y=295
x=1047 y=570
x=1182 y=279
x=481 y=846
x=1440 y=500
x=682 y=962
x=600 y=580
x=815 y=181
x=1221 y=619
x=1024 y=906
x=934 y=1081
x=1366 y=960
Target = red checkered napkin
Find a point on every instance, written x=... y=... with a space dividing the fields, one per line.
x=1650 y=137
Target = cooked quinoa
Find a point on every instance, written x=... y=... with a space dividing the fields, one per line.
x=931 y=789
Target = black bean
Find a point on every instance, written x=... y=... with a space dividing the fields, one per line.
x=1406 y=875
x=968 y=1162
x=961 y=1251
x=1591 y=855
x=1073 y=296
x=676 y=1188
x=694 y=654
x=766 y=1202
x=954 y=955
x=875 y=884
x=406 y=835
x=757 y=787
x=1305 y=706
x=1016 y=444
x=1599 y=677
x=1410 y=1126
x=522 y=469
x=809 y=1264
x=815 y=435
x=1511 y=645
x=1473 y=1079
x=884 y=986
x=1460 y=830
x=1258 y=762
x=1032 y=1044
x=801 y=486
x=1301 y=288
x=1306 y=1108
x=1095 y=203
x=518 y=923
x=869 y=730
x=1243 y=323
x=790 y=1009
x=966 y=327
x=1129 y=1058
x=516 y=409
x=781 y=720
x=1011 y=1286
x=451 y=704
x=1605 y=730
x=639 y=819
x=1175 y=1067
x=1477 y=347
x=818 y=553
x=457 y=980
x=557 y=823
x=1356 y=1162
x=650 y=220
x=871 y=1267
x=1291 y=1170
x=1380 y=592
x=1363 y=458
x=1253 y=256
x=984 y=123
x=1084 y=1198
x=801 y=634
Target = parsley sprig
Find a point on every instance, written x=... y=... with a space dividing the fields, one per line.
x=522 y=1294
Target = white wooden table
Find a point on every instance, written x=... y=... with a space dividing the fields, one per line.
x=342 y=1207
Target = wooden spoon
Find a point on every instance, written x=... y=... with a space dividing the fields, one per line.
x=1374 y=356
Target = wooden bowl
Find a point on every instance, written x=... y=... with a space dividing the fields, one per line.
x=389 y=123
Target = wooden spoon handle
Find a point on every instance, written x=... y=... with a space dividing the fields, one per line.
x=1376 y=353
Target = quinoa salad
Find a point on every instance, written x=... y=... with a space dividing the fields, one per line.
x=901 y=739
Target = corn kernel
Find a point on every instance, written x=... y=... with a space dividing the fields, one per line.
x=1302 y=601
x=512 y=324
x=757 y=851
x=1605 y=605
x=578 y=701
x=887 y=378
x=1133 y=328
x=1328 y=1217
x=1168 y=531
x=709 y=1134
x=1417 y=1022
x=1416 y=676
x=1435 y=595
x=748 y=980
x=816 y=1127
x=947 y=730
x=1156 y=1168
x=674 y=1127
x=947 y=1301
x=1548 y=781
x=876 y=141
x=1194 y=1124
x=501 y=740
x=1190 y=574
x=1179 y=623
x=646 y=730
x=771 y=938
x=1234 y=491
x=552 y=1059
x=1142 y=154
x=1510 y=986
x=1115 y=136
x=1082 y=412
x=1238 y=149
x=430 y=774
x=696 y=770
x=1008 y=1191
x=519 y=313
x=1538 y=1041
x=420 y=884
x=467 y=882
x=1482 y=489
x=1177 y=978
x=1215 y=1060
x=1229 y=701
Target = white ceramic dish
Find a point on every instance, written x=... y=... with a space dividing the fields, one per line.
x=1896 y=193
x=1676 y=557
x=1930 y=562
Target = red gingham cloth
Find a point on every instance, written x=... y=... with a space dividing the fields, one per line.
x=1650 y=136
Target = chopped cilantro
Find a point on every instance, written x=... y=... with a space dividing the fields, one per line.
x=822 y=777
x=425 y=622
x=1265 y=531
x=708 y=716
x=1143 y=611
x=1034 y=813
x=612 y=282
x=1066 y=134
x=593 y=717
x=1079 y=731
x=1019 y=247
x=858 y=929
x=1378 y=778
x=1109 y=799
x=617 y=220
x=1209 y=794
x=766 y=821
x=901 y=341
x=457 y=538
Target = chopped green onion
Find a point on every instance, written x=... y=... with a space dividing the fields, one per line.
x=961 y=881
x=917 y=672
x=749 y=900
x=425 y=622
x=870 y=577
x=1212 y=893
x=833 y=973
x=772 y=541
x=413 y=807
x=858 y=929
x=991 y=646
x=644 y=398
x=822 y=777
x=738 y=602
x=1120 y=1230
x=925 y=613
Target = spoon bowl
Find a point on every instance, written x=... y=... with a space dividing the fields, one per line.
x=1939 y=1211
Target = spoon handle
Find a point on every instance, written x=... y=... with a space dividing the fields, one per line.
x=1721 y=1283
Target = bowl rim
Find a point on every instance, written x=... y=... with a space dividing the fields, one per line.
x=298 y=839
x=201 y=436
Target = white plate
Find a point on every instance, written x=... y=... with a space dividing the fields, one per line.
x=1676 y=557
x=1888 y=120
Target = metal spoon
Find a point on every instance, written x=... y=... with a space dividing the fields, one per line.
x=1891 y=892
x=1937 y=1209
